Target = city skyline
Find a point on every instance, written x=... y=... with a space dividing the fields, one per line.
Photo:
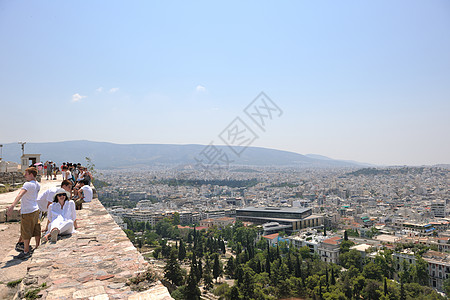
x=354 y=81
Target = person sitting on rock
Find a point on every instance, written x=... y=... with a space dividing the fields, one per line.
x=46 y=198
x=62 y=218
x=85 y=193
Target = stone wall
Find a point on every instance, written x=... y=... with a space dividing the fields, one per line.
x=96 y=262
x=11 y=177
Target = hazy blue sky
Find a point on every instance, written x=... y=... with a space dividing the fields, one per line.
x=361 y=80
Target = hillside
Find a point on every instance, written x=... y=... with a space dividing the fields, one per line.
x=110 y=155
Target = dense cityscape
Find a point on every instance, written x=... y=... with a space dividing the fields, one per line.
x=376 y=233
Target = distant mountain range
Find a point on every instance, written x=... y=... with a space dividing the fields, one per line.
x=109 y=155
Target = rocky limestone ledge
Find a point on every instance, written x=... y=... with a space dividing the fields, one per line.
x=96 y=262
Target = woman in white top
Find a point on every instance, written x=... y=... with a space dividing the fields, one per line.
x=61 y=216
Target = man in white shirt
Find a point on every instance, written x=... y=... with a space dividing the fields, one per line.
x=29 y=210
x=46 y=198
x=85 y=193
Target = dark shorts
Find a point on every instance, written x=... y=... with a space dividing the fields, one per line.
x=30 y=225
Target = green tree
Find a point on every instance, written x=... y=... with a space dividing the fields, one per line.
x=358 y=285
x=420 y=271
x=156 y=252
x=351 y=258
x=372 y=290
x=230 y=267
x=222 y=246
x=372 y=271
x=298 y=268
x=181 y=251
x=192 y=292
x=172 y=270
x=305 y=252
x=176 y=218
x=333 y=278
x=345 y=246
x=217 y=268
x=233 y=293
x=446 y=286
x=207 y=277
x=402 y=291
x=247 y=288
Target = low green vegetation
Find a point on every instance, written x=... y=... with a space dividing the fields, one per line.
x=32 y=294
x=14 y=283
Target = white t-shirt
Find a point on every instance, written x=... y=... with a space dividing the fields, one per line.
x=67 y=212
x=28 y=201
x=46 y=197
x=87 y=193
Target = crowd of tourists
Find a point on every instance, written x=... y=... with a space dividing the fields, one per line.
x=58 y=204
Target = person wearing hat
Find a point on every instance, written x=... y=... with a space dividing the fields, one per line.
x=61 y=216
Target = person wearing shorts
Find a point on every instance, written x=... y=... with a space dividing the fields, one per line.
x=30 y=225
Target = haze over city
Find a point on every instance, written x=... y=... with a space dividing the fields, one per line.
x=354 y=80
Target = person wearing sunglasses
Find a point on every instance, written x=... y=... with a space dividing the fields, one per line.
x=62 y=219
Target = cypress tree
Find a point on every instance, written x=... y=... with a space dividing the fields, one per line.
x=239 y=274
x=238 y=248
x=231 y=268
x=320 y=290
x=234 y=293
x=402 y=291
x=172 y=270
x=289 y=262
x=222 y=246
x=333 y=278
x=217 y=270
x=181 y=251
x=298 y=271
x=199 y=268
x=192 y=291
x=345 y=235
x=194 y=267
x=385 y=286
x=207 y=277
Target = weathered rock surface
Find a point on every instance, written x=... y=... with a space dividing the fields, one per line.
x=96 y=262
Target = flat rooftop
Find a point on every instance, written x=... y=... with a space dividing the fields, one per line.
x=275 y=209
x=271 y=219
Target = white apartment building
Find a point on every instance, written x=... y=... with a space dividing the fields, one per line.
x=329 y=249
x=438 y=268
